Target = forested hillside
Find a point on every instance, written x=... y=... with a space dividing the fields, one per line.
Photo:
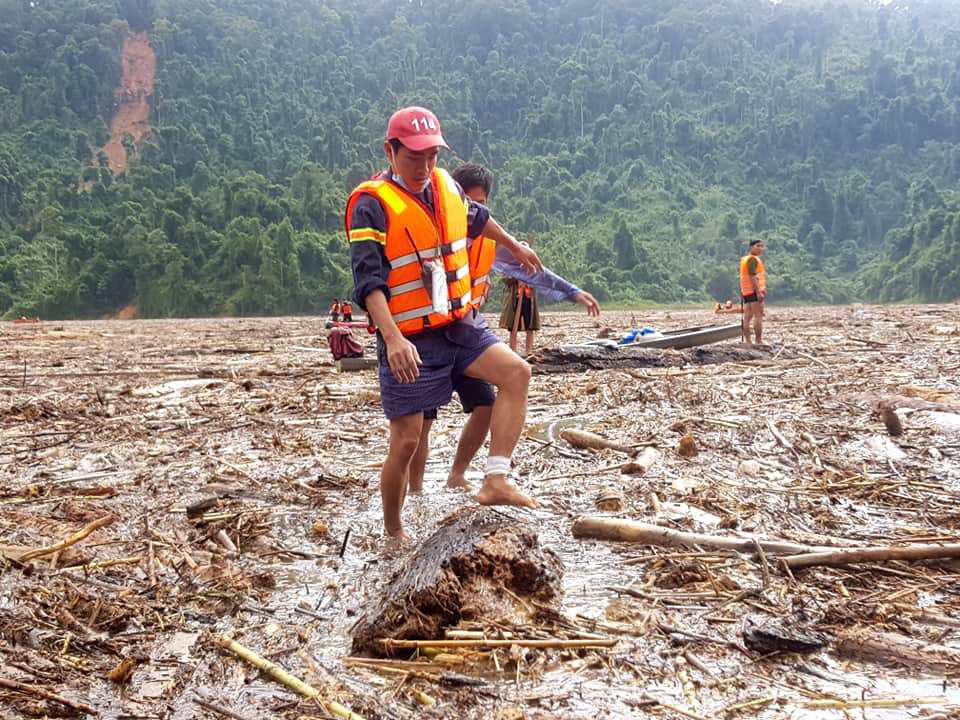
x=638 y=145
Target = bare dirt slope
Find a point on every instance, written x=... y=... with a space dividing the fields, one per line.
x=132 y=99
x=140 y=421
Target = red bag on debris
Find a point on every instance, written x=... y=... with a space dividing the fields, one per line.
x=343 y=344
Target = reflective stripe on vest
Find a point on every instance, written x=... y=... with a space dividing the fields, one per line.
x=425 y=312
x=746 y=285
x=482 y=254
x=426 y=254
x=414 y=234
x=418 y=283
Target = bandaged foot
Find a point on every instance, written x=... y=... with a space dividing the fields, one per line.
x=497 y=490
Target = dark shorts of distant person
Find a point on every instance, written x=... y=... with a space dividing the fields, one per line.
x=473 y=393
x=444 y=354
x=747 y=299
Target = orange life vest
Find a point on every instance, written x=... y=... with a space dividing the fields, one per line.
x=524 y=291
x=482 y=253
x=347 y=309
x=414 y=235
x=746 y=285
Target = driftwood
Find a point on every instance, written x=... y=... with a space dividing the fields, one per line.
x=892 y=421
x=849 y=556
x=775 y=635
x=642 y=464
x=553 y=644
x=591 y=441
x=352 y=364
x=72 y=540
x=570 y=359
x=895 y=649
x=601 y=528
x=47 y=695
x=483 y=565
x=893 y=402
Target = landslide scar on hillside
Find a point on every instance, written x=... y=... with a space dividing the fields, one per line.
x=132 y=99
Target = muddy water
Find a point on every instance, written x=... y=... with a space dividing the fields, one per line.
x=299 y=422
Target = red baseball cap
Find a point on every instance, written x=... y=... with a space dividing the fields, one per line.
x=417 y=128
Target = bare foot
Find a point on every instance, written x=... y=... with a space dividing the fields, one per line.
x=415 y=490
x=497 y=491
x=457 y=481
x=398 y=540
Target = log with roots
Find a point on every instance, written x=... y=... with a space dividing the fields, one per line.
x=481 y=566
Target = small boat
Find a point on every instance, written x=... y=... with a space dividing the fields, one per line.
x=673 y=339
x=690 y=337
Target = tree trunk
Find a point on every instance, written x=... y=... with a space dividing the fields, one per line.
x=482 y=565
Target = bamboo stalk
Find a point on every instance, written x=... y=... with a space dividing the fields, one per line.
x=877 y=703
x=541 y=644
x=282 y=676
x=676 y=708
x=71 y=540
x=849 y=556
x=101 y=564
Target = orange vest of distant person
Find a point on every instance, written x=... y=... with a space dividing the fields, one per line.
x=413 y=236
x=482 y=253
x=347 y=309
x=746 y=285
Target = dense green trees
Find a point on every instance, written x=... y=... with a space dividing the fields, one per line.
x=638 y=145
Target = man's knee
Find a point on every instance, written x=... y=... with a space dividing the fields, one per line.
x=405 y=438
x=404 y=447
x=516 y=375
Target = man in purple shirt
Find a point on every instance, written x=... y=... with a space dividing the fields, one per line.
x=476 y=396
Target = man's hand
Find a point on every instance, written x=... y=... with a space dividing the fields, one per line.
x=521 y=251
x=528 y=258
x=403 y=358
x=589 y=302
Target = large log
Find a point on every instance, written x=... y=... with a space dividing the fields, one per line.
x=481 y=566
x=603 y=528
x=895 y=649
x=352 y=364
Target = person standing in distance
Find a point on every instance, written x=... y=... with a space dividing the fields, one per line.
x=753 y=289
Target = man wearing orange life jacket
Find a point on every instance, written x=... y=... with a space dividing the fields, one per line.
x=753 y=289
x=409 y=231
x=476 y=396
x=347 y=310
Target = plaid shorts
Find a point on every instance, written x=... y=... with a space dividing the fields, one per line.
x=445 y=354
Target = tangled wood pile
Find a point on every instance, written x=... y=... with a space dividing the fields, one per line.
x=190 y=528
